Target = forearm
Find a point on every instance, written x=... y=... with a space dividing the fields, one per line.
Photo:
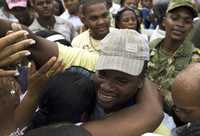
x=143 y=117
x=41 y=52
x=132 y=121
x=24 y=112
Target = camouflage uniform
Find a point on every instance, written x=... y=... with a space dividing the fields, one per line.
x=162 y=67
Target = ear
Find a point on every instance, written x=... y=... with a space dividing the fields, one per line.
x=164 y=22
x=83 y=20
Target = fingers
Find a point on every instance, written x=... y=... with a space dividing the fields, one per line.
x=12 y=59
x=16 y=27
x=52 y=67
x=46 y=67
x=4 y=73
x=12 y=38
x=56 y=68
x=16 y=48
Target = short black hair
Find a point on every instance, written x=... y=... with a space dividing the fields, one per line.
x=191 y=129
x=59 y=130
x=86 y=3
x=67 y=96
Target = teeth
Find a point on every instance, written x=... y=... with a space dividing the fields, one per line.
x=107 y=97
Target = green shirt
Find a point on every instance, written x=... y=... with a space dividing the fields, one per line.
x=163 y=68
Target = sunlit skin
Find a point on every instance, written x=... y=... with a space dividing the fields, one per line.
x=115 y=88
x=97 y=19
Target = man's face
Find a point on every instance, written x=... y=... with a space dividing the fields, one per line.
x=147 y=3
x=178 y=23
x=44 y=8
x=130 y=3
x=72 y=6
x=186 y=101
x=115 y=88
x=97 y=19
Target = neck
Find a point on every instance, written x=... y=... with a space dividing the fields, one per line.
x=47 y=21
x=171 y=46
x=96 y=37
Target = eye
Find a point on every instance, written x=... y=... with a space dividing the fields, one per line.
x=93 y=18
x=174 y=17
x=101 y=74
x=125 y=20
x=105 y=15
x=122 y=80
x=188 y=21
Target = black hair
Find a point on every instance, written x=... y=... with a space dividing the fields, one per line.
x=86 y=3
x=119 y=15
x=61 y=7
x=122 y=2
x=59 y=130
x=191 y=129
x=68 y=96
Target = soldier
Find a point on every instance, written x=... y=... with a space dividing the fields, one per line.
x=171 y=54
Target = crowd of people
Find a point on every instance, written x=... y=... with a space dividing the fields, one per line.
x=99 y=68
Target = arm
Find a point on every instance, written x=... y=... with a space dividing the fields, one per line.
x=41 y=52
x=143 y=117
x=13 y=48
x=24 y=112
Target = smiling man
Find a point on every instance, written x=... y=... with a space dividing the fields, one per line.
x=96 y=18
x=171 y=54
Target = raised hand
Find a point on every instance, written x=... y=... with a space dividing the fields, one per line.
x=13 y=47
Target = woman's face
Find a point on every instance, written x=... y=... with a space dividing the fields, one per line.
x=128 y=20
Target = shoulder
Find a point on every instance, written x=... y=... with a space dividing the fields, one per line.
x=81 y=36
x=154 y=43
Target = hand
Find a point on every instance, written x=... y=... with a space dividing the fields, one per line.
x=40 y=77
x=12 y=49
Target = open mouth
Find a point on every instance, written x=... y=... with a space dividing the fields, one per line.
x=106 y=97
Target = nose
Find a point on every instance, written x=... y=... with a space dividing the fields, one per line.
x=107 y=85
x=180 y=23
x=100 y=21
x=130 y=22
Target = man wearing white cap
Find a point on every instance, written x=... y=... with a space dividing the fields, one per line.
x=120 y=82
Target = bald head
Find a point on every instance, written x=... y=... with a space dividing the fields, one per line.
x=187 y=83
x=186 y=93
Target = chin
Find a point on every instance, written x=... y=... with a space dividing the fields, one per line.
x=104 y=105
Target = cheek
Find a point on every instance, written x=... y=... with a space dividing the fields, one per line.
x=127 y=91
x=181 y=116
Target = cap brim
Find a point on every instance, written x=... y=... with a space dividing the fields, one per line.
x=194 y=12
x=119 y=63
